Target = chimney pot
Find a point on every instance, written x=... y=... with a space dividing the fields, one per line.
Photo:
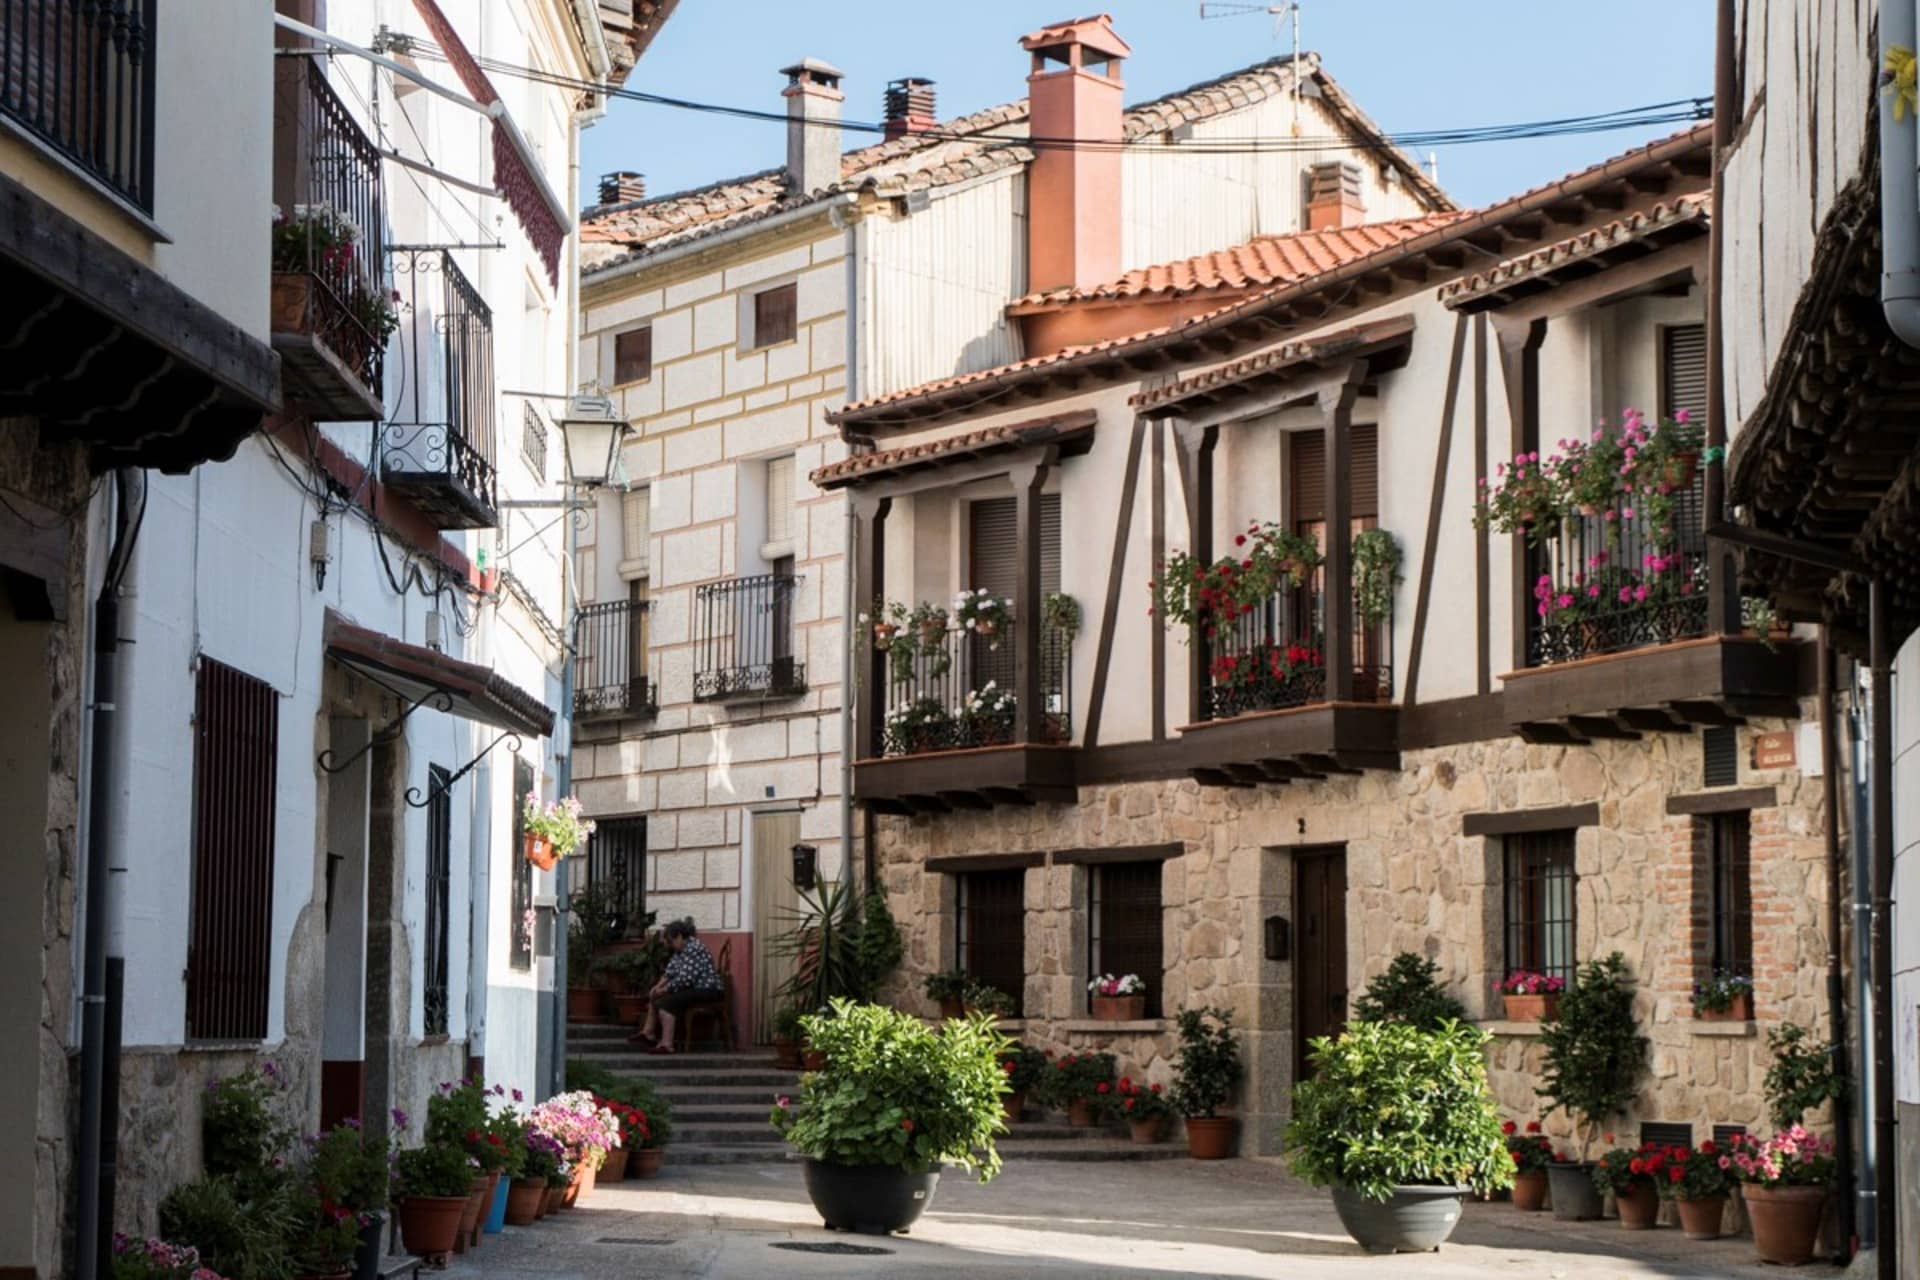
x=1333 y=195
x=909 y=107
x=1073 y=192
x=813 y=124
x=622 y=186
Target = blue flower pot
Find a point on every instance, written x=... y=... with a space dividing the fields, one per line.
x=496 y=1219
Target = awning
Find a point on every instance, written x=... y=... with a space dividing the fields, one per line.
x=416 y=672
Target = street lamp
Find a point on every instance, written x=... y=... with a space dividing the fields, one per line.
x=593 y=433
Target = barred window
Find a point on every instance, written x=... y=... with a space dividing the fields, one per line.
x=616 y=861
x=1730 y=892
x=1123 y=920
x=992 y=933
x=1540 y=903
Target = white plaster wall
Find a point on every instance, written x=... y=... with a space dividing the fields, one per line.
x=1906 y=871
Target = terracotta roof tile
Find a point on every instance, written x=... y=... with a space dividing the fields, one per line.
x=1302 y=352
x=1635 y=226
x=1058 y=427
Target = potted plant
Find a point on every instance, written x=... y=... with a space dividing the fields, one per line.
x=1121 y=999
x=348 y=1170
x=1594 y=1057
x=1200 y=597
x=896 y=1100
x=1631 y=1175
x=786 y=1038
x=325 y=1236
x=923 y=724
x=1724 y=997
x=1399 y=1123
x=458 y=1115
x=948 y=989
x=983 y=613
x=584 y=1128
x=1060 y=614
x=554 y=830
x=1146 y=1111
x=1076 y=1083
x=986 y=717
x=543 y=1164
x=152 y=1258
x=929 y=623
x=1376 y=574
x=1408 y=991
x=984 y=997
x=1590 y=470
x=510 y=1140
x=1801 y=1077
x=1529 y=996
x=1025 y=1068
x=655 y=1130
x=631 y=972
x=629 y=1127
x=1526 y=496
x=1784 y=1183
x=1697 y=1181
x=1531 y=1153
x=1206 y=1070
x=431 y=1184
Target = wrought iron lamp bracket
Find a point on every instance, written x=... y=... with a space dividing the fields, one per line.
x=441 y=700
x=432 y=792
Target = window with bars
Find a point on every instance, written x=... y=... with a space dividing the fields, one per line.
x=775 y=315
x=236 y=732
x=1730 y=893
x=633 y=355
x=635 y=530
x=991 y=937
x=435 y=996
x=1123 y=925
x=520 y=922
x=1539 y=898
x=616 y=859
x=533 y=441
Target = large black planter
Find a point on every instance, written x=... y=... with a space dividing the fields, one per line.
x=873 y=1199
x=1411 y=1220
x=1575 y=1198
x=367 y=1258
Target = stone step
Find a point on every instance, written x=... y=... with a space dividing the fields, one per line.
x=1014 y=1150
x=703 y=1127
x=622 y=1056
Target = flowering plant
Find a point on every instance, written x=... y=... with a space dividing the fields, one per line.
x=917 y=720
x=1129 y=984
x=436 y=1169
x=1793 y=1158
x=152 y=1259
x=1525 y=982
x=1617 y=1170
x=1719 y=991
x=1128 y=1101
x=983 y=613
x=1531 y=1151
x=577 y=1121
x=1025 y=1067
x=1263 y=664
x=988 y=710
x=557 y=821
x=241 y=1133
x=1696 y=1173
x=350 y=1168
x=630 y=1122
x=545 y=1158
x=1078 y=1077
x=1200 y=595
x=1657 y=464
x=1526 y=496
x=1061 y=613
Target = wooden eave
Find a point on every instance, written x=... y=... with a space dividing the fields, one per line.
x=1520 y=279
x=1385 y=346
x=1070 y=434
x=1296 y=744
x=1712 y=680
x=976 y=778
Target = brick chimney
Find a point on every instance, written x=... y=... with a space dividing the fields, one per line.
x=813 y=124
x=1073 y=192
x=910 y=107
x=1333 y=196
x=622 y=186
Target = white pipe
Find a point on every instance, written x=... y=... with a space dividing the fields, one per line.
x=600 y=58
x=1900 y=190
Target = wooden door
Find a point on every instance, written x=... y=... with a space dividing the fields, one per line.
x=1320 y=947
x=774 y=902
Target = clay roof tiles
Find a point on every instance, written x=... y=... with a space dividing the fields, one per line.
x=1679 y=211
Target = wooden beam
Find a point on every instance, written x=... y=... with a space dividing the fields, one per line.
x=1157 y=531
x=1482 y=553
x=1652 y=720
x=1742 y=800
x=1305 y=387
x=1705 y=713
x=1596 y=727
x=1549 y=733
x=1029 y=718
x=1436 y=507
x=1196 y=444
x=1520 y=370
x=961 y=863
x=869 y=553
x=1684 y=263
x=1116 y=579
x=1520 y=821
x=1118 y=853
x=1337 y=572
x=966 y=799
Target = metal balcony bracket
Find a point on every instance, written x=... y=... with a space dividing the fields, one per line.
x=440 y=700
x=432 y=792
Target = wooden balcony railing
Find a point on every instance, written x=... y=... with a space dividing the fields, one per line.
x=78 y=75
x=958 y=692
x=744 y=640
x=610 y=661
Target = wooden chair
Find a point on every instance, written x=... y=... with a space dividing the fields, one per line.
x=718 y=1011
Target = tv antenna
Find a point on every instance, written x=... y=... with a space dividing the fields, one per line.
x=1280 y=13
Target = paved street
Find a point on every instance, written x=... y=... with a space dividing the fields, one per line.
x=1239 y=1219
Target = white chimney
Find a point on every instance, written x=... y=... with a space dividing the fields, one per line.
x=813 y=125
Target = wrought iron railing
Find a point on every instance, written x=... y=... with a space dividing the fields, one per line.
x=329 y=236
x=441 y=436
x=1274 y=657
x=1605 y=584
x=957 y=689
x=533 y=440
x=610 y=660
x=78 y=75
x=744 y=639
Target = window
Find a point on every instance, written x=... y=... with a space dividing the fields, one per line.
x=586 y=572
x=633 y=355
x=236 y=726
x=779 y=507
x=992 y=933
x=1683 y=371
x=1539 y=903
x=774 y=314
x=1730 y=893
x=434 y=997
x=634 y=532
x=994 y=536
x=1123 y=920
x=616 y=861
x=520 y=922
x=533 y=441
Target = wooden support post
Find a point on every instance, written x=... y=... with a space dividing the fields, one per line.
x=1029 y=715
x=1196 y=447
x=869 y=553
x=1520 y=367
x=1336 y=403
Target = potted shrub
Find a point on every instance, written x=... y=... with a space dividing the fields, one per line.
x=1723 y=997
x=1801 y=1077
x=1594 y=1057
x=983 y=613
x=1531 y=1152
x=631 y=973
x=984 y=997
x=1206 y=1070
x=1025 y=1068
x=1529 y=996
x=431 y=1184
x=457 y=1116
x=1631 y=1176
x=948 y=989
x=1399 y=1123
x=554 y=830
x=238 y=1228
x=1075 y=1085
x=896 y=1100
x=1697 y=1181
x=1525 y=496
x=646 y=1131
x=325 y=1236
x=1147 y=1111
x=1408 y=991
x=1060 y=614
x=584 y=1128
x=1122 y=999
x=786 y=1038
x=543 y=1165
x=923 y=724
x=349 y=1170
x=1784 y=1182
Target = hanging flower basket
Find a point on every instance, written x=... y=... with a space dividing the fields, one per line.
x=540 y=853
x=554 y=830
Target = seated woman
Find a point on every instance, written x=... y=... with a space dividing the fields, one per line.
x=691 y=978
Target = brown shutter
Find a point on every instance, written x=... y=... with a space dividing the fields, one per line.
x=993 y=541
x=633 y=356
x=1307 y=474
x=1365 y=502
x=1683 y=371
x=774 y=313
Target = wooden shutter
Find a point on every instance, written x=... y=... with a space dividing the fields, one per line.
x=773 y=315
x=633 y=355
x=1307 y=475
x=1683 y=371
x=780 y=500
x=993 y=543
x=236 y=726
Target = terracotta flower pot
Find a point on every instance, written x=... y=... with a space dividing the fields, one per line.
x=430 y=1224
x=540 y=853
x=932 y=634
x=1530 y=1190
x=1680 y=469
x=1148 y=1131
x=630 y=1008
x=1786 y=1221
x=524 y=1199
x=1119 y=1008
x=1639 y=1205
x=579 y=1183
x=813 y=1060
x=1530 y=1008
x=1741 y=1010
x=1013 y=1104
x=883 y=634
x=1083 y=1112
x=953 y=1007
x=470 y=1216
x=614 y=1167
x=583 y=1004
x=288 y=304
x=786 y=1052
x=554 y=1200
x=1701 y=1219
x=646 y=1162
x=1210 y=1137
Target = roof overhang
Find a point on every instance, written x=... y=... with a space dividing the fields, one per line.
x=417 y=673
x=1070 y=433
x=1640 y=253
x=1284 y=376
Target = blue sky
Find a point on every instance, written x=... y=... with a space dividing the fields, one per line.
x=1411 y=64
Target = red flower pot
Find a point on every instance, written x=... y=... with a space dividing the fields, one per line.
x=554 y=1200
x=630 y=1008
x=1083 y=1112
x=1119 y=1008
x=430 y=1224
x=646 y=1162
x=583 y=1004
x=1786 y=1221
x=786 y=1052
x=525 y=1197
x=1146 y=1132
x=470 y=1215
x=1530 y=1190
x=579 y=1183
x=1639 y=1205
x=614 y=1167
x=813 y=1060
x=1701 y=1219
x=1530 y=1008
x=1210 y=1137
x=1741 y=1010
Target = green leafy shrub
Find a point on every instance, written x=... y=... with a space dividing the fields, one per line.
x=896 y=1092
x=435 y=1169
x=879 y=948
x=786 y=1023
x=1207 y=1067
x=1594 y=1053
x=984 y=997
x=1390 y=1104
x=1025 y=1067
x=240 y=1232
x=948 y=984
x=1077 y=1077
x=1802 y=1075
x=1409 y=992
x=241 y=1132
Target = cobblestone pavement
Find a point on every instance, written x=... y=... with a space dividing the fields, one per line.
x=1234 y=1219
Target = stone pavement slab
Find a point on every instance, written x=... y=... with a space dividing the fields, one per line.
x=1241 y=1220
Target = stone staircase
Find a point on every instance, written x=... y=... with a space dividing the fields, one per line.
x=721 y=1100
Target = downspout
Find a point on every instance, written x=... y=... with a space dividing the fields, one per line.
x=1886 y=1202
x=1724 y=596
x=1860 y=879
x=1899 y=191
x=850 y=628
x=1836 y=979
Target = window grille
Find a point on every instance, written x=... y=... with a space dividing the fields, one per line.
x=1124 y=922
x=520 y=925
x=616 y=857
x=992 y=932
x=1540 y=884
x=533 y=441
x=434 y=987
x=1730 y=895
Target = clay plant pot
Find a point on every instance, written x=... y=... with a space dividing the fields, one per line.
x=579 y=1183
x=1680 y=469
x=614 y=1167
x=786 y=1052
x=1701 y=1219
x=1119 y=1008
x=812 y=1059
x=525 y=1198
x=630 y=1008
x=953 y=1007
x=554 y=1199
x=1575 y=1198
x=1741 y=1010
x=1210 y=1137
x=1148 y=1131
x=1530 y=1190
x=1638 y=1205
x=288 y=306
x=540 y=853
x=1786 y=1221
x=1083 y=1112
x=1013 y=1104
x=430 y=1225
x=646 y=1162
x=1530 y=1008
x=470 y=1216
x=583 y=1004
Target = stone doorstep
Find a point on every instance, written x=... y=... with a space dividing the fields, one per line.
x=398 y=1267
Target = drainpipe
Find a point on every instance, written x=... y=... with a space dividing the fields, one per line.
x=1860 y=877
x=103 y=963
x=1880 y=790
x=850 y=629
x=1836 y=981
x=1723 y=593
x=1899 y=192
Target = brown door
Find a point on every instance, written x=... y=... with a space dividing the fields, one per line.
x=1320 y=947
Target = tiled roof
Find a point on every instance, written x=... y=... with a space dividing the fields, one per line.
x=1679 y=211
x=1280 y=360
x=966 y=147
x=1268 y=260
x=1056 y=429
